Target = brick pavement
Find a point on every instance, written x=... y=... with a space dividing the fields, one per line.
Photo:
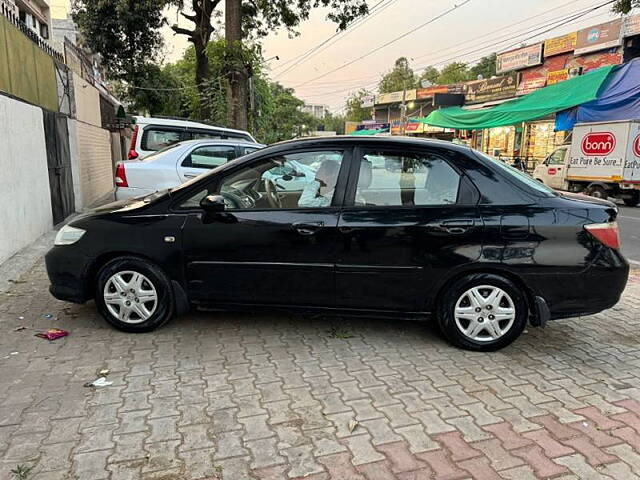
x=232 y=396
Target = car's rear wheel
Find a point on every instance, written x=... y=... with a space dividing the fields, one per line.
x=482 y=312
x=633 y=200
x=134 y=295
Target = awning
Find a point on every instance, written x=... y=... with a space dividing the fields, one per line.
x=619 y=100
x=538 y=104
x=369 y=132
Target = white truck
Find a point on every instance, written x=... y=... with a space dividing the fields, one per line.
x=603 y=161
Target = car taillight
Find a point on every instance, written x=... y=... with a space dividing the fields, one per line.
x=132 y=149
x=606 y=233
x=121 y=176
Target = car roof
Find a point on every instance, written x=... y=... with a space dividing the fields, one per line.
x=219 y=141
x=174 y=122
x=373 y=141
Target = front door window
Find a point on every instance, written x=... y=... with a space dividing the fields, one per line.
x=298 y=180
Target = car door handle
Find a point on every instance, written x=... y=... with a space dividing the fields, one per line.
x=455 y=227
x=190 y=175
x=308 y=228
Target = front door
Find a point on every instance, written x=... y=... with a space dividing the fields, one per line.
x=277 y=240
x=413 y=218
x=556 y=168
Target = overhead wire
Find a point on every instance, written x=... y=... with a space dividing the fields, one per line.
x=386 y=44
x=566 y=20
x=326 y=43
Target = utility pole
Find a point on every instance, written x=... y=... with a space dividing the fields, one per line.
x=237 y=94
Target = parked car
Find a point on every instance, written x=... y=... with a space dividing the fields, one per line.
x=152 y=134
x=176 y=164
x=472 y=242
x=603 y=160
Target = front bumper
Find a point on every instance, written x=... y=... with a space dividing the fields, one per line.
x=69 y=274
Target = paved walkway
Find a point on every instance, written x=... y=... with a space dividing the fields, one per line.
x=231 y=396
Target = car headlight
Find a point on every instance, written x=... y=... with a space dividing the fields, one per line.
x=68 y=235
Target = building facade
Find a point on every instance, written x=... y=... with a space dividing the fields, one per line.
x=317 y=110
x=36 y=15
x=519 y=72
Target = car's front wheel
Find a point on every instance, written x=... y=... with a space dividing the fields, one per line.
x=134 y=295
x=482 y=312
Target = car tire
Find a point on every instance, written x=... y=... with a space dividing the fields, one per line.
x=633 y=200
x=498 y=323
x=134 y=295
x=598 y=192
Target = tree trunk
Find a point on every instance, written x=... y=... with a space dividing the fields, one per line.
x=202 y=77
x=237 y=94
x=200 y=36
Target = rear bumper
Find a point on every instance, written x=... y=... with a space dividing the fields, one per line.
x=593 y=290
x=69 y=274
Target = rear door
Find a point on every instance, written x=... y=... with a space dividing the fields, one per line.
x=412 y=217
x=203 y=158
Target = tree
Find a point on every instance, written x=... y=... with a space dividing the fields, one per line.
x=400 y=77
x=625 y=6
x=430 y=74
x=113 y=21
x=125 y=33
x=355 y=112
x=333 y=123
x=485 y=67
x=453 y=73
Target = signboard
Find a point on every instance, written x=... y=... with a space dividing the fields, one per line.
x=414 y=127
x=599 y=37
x=396 y=97
x=531 y=85
x=562 y=44
x=496 y=88
x=520 y=58
x=557 y=76
x=631 y=26
x=368 y=101
x=636 y=146
x=429 y=92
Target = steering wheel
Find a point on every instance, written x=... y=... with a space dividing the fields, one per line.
x=272 y=194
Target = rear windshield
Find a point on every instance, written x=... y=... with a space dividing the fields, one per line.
x=160 y=153
x=519 y=175
x=155 y=139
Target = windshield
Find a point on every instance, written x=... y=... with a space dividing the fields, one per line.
x=519 y=175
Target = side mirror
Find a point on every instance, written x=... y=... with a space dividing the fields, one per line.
x=213 y=204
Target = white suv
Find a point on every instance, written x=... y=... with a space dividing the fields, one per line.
x=155 y=133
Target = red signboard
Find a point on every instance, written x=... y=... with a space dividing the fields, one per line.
x=636 y=146
x=598 y=143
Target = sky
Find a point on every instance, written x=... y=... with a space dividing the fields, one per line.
x=466 y=33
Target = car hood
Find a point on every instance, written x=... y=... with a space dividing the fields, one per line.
x=113 y=207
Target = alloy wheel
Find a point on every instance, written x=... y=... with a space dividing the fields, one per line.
x=130 y=297
x=484 y=313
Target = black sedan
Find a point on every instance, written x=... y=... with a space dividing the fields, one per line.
x=393 y=227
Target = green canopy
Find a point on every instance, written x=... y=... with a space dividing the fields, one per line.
x=538 y=104
x=369 y=132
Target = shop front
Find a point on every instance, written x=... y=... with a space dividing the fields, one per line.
x=540 y=140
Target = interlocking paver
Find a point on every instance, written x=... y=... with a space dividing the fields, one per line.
x=272 y=397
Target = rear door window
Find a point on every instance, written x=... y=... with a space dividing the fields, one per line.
x=210 y=156
x=157 y=138
x=394 y=178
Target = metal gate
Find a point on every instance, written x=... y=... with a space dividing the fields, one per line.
x=59 y=162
